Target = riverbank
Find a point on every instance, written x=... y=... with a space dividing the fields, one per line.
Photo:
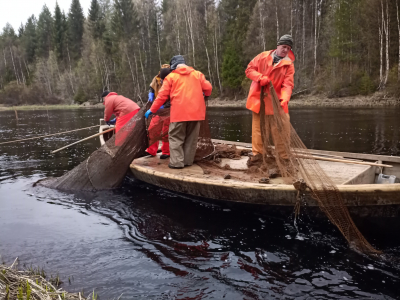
x=31 y=284
x=375 y=100
x=40 y=107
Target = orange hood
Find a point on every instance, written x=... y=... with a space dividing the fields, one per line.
x=183 y=70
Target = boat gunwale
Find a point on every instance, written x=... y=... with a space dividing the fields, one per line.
x=359 y=188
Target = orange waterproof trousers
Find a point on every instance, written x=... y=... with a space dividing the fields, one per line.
x=256 y=140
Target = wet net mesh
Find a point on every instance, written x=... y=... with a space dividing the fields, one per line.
x=106 y=167
x=288 y=153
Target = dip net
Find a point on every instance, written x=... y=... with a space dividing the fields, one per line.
x=284 y=150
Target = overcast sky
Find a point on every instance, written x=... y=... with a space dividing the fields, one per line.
x=17 y=11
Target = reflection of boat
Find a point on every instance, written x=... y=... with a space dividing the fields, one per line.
x=355 y=182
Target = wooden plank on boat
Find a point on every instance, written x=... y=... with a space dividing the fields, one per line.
x=373 y=157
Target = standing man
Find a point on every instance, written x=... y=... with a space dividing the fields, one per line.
x=275 y=66
x=185 y=87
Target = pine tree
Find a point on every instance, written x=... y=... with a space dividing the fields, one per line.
x=76 y=20
x=59 y=36
x=96 y=20
x=44 y=32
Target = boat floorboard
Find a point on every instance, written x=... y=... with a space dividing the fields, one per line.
x=338 y=172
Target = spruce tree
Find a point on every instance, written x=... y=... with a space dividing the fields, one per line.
x=236 y=14
x=124 y=20
x=59 y=35
x=76 y=20
x=29 y=39
x=96 y=20
x=44 y=32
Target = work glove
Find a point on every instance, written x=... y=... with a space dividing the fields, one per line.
x=264 y=80
x=112 y=122
x=151 y=97
x=148 y=113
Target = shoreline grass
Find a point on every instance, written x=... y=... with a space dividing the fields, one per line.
x=31 y=284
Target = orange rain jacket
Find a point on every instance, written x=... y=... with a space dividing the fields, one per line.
x=118 y=105
x=185 y=87
x=281 y=76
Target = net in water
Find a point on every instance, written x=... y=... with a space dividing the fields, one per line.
x=297 y=165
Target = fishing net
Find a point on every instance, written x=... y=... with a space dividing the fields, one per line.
x=106 y=167
x=283 y=149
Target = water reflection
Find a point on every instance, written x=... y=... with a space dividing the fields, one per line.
x=146 y=242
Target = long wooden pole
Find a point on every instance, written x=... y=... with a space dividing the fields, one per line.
x=342 y=160
x=85 y=139
x=43 y=136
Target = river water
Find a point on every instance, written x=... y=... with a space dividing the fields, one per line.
x=145 y=242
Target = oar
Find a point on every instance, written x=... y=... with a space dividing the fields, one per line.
x=342 y=160
x=43 y=136
x=85 y=139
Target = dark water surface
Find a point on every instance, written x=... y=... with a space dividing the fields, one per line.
x=146 y=242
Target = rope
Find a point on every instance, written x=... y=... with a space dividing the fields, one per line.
x=43 y=136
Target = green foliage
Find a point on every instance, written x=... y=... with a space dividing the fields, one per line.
x=80 y=96
x=76 y=19
x=232 y=69
x=44 y=33
x=96 y=20
x=59 y=33
x=29 y=39
x=124 y=19
x=366 y=85
x=28 y=291
x=20 y=293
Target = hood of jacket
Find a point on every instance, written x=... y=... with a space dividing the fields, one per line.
x=183 y=70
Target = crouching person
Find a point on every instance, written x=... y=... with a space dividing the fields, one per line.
x=185 y=87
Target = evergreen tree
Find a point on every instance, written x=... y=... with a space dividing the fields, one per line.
x=44 y=32
x=236 y=14
x=76 y=20
x=124 y=20
x=96 y=20
x=29 y=39
x=59 y=36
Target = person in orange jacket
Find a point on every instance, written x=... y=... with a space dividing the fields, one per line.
x=275 y=66
x=123 y=108
x=155 y=87
x=186 y=89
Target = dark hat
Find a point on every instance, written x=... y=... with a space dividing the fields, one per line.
x=286 y=40
x=165 y=72
x=176 y=60
x=105 y=93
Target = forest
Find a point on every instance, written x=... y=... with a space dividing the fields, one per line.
x=342 y=47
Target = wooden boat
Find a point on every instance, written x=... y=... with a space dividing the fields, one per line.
x=356 y=182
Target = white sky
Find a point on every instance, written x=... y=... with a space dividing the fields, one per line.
x=17 y=11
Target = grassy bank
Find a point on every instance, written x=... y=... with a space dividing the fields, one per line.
x=31 y=284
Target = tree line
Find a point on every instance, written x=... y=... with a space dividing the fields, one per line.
x=342 y=47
